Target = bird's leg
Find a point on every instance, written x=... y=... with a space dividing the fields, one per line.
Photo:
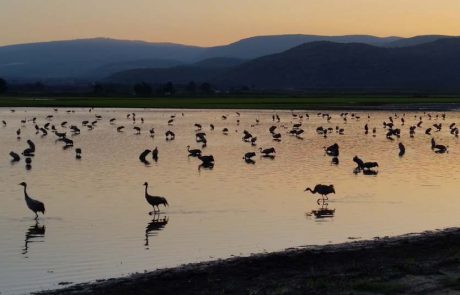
x=36 y=216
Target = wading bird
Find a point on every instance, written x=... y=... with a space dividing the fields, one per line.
x=323 y=190
x=249 y=155
x=143 y=155
x=402 y=149
x=34 y=205
x=78 y=153
x=332 y=150
x=267 y=152
x=193 y=152
x=364 y=165
x=155 y=154
x=15 y=157
x=155 y=201
x=438 y=148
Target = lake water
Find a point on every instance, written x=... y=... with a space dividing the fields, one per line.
x=97 y=223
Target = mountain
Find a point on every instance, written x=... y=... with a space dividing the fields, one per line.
x=92 y=59
x=77 y=58
x=108 y=69
x=202 y=71
x=318 y=66
x=264 y=45
x=219 y=62
x=417 y=40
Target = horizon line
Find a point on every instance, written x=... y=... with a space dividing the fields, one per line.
x=217 y=45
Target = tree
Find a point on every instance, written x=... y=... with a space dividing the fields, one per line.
x=169 y=89
x=206 y=88
x=191 y=88
x=142 y=89
x=98 y=89
x=38 y=86
x=3 y=86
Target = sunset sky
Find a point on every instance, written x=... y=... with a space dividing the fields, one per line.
x=212 y=22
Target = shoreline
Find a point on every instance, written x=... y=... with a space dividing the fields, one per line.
x=427 y=262
x=253 y=103
x=434 y=107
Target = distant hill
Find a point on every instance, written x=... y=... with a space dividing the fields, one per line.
x=264 y=45
x=417 y=40
x=202 y=71
x=77 y=58
x=108 y=69
x=431 y=66
x=92 y=59
x=219 y=62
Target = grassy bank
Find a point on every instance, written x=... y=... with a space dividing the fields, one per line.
x=228 y=102
x=421 y=264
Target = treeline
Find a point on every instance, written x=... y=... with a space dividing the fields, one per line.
x=100 y=89
x=3 y=86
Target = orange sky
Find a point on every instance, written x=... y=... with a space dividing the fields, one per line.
x=212 y=22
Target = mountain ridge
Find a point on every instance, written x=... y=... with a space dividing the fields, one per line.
x=81 y=58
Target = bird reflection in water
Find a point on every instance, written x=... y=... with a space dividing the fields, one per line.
x=157 y=224
x=33 y=235
x=208 y=166
x=323 y=211
x=250 y=161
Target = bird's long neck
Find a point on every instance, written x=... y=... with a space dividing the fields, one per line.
x=309 y=190
x=25 y=193
x=146 y=194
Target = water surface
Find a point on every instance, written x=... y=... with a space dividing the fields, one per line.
x=97 y=223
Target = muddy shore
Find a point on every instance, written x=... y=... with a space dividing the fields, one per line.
x=426 y=263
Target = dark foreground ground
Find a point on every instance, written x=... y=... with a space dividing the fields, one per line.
x=337 y=103
x=413 y=264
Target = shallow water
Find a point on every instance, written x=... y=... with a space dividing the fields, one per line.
x=97 y=223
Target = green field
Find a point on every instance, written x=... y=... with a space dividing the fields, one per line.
x=228 y=102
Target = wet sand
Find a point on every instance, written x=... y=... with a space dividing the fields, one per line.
x=426 y=263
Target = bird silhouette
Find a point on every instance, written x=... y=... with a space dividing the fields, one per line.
x=155 y=201
x=155 y=154
x=15 y=157
x=332 y=150
x=323 y=190
x=402 y=149
x=193 y=152
x=364 y=165
x=78 y=153
x=170 y=135
x=438 y=148
x=34 y=205
x=268 y=152
x=249 y=155
x=143 y=155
